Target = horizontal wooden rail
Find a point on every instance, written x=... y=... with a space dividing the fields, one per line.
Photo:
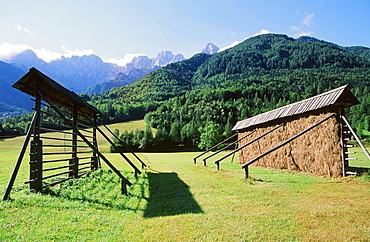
x=88 y=157
x=356 y=137
x=57 y=160
x=62 y=139
x=54 y=124
x=85 y=163
x=58 y=174
x=86 y=167
x=57 y=182
x=57 y=168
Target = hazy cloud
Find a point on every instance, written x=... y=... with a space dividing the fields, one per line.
x=21 y=28
x=307 y=20
x=7 y=51
x=125 y=60
x=305 y=27
x=263 y=31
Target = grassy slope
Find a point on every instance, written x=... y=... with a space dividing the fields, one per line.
x=176 y=200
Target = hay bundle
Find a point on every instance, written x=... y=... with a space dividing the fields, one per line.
x=317 y=152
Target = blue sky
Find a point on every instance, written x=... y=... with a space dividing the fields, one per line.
x=114 y=29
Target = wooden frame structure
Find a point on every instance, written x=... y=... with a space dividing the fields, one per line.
x=273 y=129
x=73 y=149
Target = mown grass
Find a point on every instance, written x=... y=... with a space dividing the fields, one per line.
x=177 y=200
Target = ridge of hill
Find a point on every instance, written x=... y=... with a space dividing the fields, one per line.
x=262 y=73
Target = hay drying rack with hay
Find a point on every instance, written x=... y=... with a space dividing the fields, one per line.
x=73 y=149
x=310 y=136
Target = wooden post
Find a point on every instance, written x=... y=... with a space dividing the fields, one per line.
x=96 y=163
x=246 y=172
x=36 y=151
x=74 y=160
x=343 y=146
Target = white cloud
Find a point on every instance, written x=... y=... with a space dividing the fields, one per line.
x=307 y=20
x=21 y=28
x=125 y=60
x=69 y=53
x=263 y=31
x=305 y=28
x=7 y=51
x=304 y=33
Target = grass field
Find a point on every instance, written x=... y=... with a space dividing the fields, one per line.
x=177 y=200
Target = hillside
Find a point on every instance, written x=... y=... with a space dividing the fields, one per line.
x=259 y=74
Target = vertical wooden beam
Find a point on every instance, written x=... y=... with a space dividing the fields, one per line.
x=344 y=149
x=246 y=172
x=36 y=150
x=74 y=160
x=96 y=163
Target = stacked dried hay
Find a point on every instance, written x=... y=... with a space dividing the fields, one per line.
x=317 y=152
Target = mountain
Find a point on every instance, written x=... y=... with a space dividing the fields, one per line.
x=260 y=74
x=136 y=69
x=75 y=73
x=12 y=101
x=210 y=49
x=260 y=55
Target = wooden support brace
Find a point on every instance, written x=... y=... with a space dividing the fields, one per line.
x=243 y=146
x=213 y=147
x=286 y=142
x=20 y=159
x=204 y=160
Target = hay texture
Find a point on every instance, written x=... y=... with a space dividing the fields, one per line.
x=317 y=152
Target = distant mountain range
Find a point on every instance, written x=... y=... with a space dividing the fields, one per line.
x=136 y=69
x=88 y=74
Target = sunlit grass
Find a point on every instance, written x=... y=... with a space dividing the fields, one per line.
x=177 y=200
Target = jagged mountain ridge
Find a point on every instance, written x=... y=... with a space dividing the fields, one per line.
x=136 y=69
x=255 y=56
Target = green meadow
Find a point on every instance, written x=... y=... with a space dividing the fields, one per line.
x=176 y=200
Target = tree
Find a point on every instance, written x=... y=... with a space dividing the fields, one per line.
x=210 y=135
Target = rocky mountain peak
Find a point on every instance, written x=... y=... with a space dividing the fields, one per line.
x=210 y=48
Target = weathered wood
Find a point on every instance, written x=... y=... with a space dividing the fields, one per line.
x=356 y=137
x=20 y=159
x=215 y=153
x=213 y=147
x=85 y=139
x=287 y=141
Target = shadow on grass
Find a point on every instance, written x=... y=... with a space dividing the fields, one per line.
x=169 y=196
x=359 y=170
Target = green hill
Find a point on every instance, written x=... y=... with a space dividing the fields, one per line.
x=259 y=74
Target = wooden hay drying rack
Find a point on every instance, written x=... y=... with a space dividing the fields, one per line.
x=71 y=157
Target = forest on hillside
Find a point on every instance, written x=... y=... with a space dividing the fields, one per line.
x=184 y=99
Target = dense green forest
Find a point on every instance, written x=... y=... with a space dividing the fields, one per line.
x=262 y=73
